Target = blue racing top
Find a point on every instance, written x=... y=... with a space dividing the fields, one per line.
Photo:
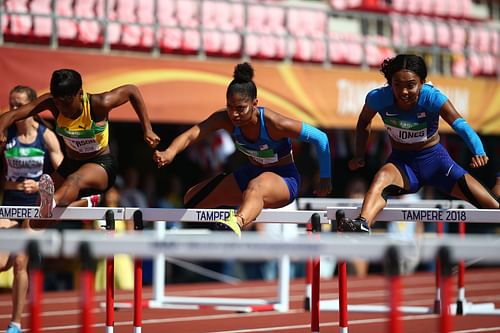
x=415 y=125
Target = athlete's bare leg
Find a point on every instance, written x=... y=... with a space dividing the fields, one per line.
x=373 y=202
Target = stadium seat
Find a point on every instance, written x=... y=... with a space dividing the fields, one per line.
x=338 y=4
x=443 y=33
x=459 y=65
x=66 y=28
x=42 y=26
x=428 y=32
x=126 y=13
x=113 y=30
x=495 y=40
x=88 y=30
x=489 y=64
x=441 y=7
x=187 y=13
x=231 y=44
x=475 y=66
x=19 y=24
x=427 y=7
x=146 y=15
x=458 y=36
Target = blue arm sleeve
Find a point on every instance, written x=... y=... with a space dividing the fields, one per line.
x=309 y=133
x=469 y=136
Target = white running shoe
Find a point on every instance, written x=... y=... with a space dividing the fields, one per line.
x=46 y=189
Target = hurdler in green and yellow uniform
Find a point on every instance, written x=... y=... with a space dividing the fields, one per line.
x=82 y=121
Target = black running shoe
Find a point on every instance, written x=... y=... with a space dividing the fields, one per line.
x=345 y=224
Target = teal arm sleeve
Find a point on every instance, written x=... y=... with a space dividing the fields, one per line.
x=309 y=133
x=469 y=136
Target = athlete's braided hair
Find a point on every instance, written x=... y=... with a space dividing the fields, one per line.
x=410 y=62
x=242 y=82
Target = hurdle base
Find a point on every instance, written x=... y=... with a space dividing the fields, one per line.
x=468 y=308
x=475 y=309
x=333 y=305
x=243 y=305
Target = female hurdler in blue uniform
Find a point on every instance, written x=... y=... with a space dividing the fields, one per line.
x=270 y=179
x=410 y=109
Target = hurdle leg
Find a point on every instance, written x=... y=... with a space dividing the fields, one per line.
x=446 y=268
x=284 y=284
x=394 y=281
x=343 y=325
x=315 y=297
x=461 y=301
x=309 y=272
x=35 y=285
x=110 y=278
x=437 y=299
x=159 y=266
x=87 y=287
x=138 y=226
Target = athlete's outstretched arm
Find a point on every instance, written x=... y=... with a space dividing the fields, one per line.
x=105 y=102
x=363 y=129
x=463 y=129
x=40 y=104
x=199 y=131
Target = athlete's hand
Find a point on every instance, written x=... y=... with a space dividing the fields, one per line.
x=151 y=138
x=479 y=161
x=324 y=187
x=356 y=163
x=30 y=186
x=162 y=158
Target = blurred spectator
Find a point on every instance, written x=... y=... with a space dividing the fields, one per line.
x=131 y=195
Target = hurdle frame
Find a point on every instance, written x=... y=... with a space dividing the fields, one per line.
x=280 y=304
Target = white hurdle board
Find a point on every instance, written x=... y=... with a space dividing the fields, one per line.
x=424 y=214
x=61 y=213
x=211 y=215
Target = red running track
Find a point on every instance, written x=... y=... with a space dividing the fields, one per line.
x=60 y=312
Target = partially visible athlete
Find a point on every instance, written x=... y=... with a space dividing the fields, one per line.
x=29 y=147
x=270 y=179
x=410 y=110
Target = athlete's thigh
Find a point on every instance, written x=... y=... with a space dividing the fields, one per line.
x=225 y=193
x=5 y=263
x=273 y=189
x=482 y=197
x=389 y=174
x=89 y=175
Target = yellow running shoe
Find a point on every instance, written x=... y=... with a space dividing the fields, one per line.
x=231 y=222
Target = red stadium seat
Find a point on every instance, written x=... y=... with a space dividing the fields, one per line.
x=231 y=44
x=88 y=31
x=187 y=13
x=458 y=36
x=19 y=24
x=428 y=32
x=42 y=26
x=146 y=15
x=459 y=66
x=66 y=28
x=338 y=4
x=443 y=33
x=126 y=13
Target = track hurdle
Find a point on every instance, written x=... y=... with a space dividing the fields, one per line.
x=210 y=215
x=254 y=246
x=232 y=304
x=410 y=214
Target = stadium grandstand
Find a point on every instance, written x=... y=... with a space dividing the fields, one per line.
x=458 y=38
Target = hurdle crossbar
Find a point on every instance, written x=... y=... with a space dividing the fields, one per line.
x=61 y=213
x=212 y=215
x=424 y=214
